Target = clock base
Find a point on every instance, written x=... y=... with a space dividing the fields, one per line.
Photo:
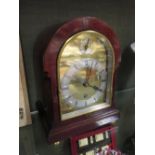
x=64 y=130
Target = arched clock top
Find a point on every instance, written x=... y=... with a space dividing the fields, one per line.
x=72 y=27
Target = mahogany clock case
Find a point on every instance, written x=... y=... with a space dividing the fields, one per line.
x=49 y=109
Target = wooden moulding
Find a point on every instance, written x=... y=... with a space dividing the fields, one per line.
x=24 y=110
x=63 y=129
x=83 y=125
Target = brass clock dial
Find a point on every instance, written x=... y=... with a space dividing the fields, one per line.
x=85 y=65
x=84 y=83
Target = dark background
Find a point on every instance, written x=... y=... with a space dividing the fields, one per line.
x=39 y=19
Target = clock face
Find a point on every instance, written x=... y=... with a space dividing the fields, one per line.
x=87 y=75
x=85 y=67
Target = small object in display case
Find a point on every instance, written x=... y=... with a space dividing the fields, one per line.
x=99 y=137
x=94 y=142
x=91 y=152
x=83 y=142
x=106 y=134
x=91 y=140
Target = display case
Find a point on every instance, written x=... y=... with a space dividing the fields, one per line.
x=94 y=142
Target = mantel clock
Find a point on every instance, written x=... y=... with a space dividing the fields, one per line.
x=80 y=62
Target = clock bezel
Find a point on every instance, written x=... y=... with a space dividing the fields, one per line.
x=91 y=108
x=50 y=67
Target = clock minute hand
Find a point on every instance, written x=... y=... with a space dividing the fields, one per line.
x=94 y=87
x=86 y=44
